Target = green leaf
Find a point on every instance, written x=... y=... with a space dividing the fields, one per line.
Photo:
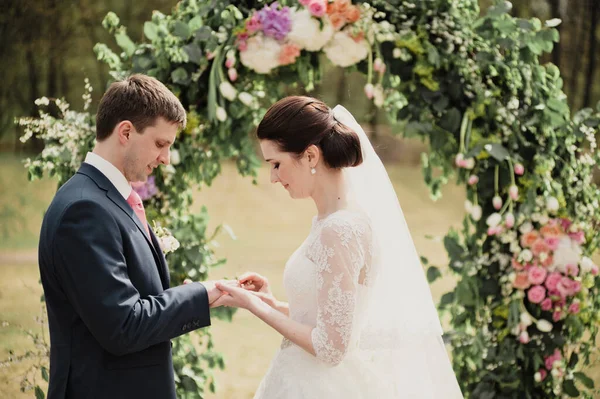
x=195 y=23
x=497 y=151
x=453 y=247
x=39 y=394
x=180 y=76
x=194 y=53
x=203 y=33
x=570 y=389
x=151 y=30
x=447 y=299
x=44 y=371
x=451 y=120
x=182 y=30
x=125 y=43
x=433 y=273
x=573 y=360
x=584 y=379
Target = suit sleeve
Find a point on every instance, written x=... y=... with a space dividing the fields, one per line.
x=89 y=262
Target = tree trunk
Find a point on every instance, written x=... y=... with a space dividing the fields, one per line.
x=579 y=41
x=595 y=8
x=555 y=13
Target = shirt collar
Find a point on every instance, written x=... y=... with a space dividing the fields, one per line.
x=111 y=172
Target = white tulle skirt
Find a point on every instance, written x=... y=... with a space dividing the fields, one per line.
x=417 y=369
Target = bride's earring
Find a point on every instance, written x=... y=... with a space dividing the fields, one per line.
x=313 y=171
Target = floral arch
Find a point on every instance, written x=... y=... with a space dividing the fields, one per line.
x=525 y=311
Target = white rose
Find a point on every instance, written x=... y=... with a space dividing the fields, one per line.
x=527 y=255
x=544 y=219
x=515 y=247
x=175 y=159
x=526 y=228
x=343 y=51
x=221 y=114
x=476 y=212
x=228 y=91
x=468 y=206
x=262 y=54
x=306 y=31
x=555 y=373
x=544 y=325
x=526 y=319
x=494 y=219
x=537 y=377
x=552 y=204
x=586 y=264
x=246 y=98
x=567 y=253
x=378 y=97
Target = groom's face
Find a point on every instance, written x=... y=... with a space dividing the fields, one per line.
x=292 y=173
x=147 y=150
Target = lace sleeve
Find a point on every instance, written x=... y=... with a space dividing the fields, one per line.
x=340 y=255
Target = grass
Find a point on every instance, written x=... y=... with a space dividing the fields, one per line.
x=268 y=226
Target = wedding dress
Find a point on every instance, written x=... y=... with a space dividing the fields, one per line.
x=358 y=281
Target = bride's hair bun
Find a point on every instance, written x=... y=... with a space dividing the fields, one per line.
x=296 y=122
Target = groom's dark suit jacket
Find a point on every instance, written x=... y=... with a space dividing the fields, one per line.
x=111 y=312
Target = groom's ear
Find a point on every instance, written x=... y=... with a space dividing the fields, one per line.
x=313 y=155
x=124 y=129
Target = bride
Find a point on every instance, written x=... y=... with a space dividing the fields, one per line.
x=360 y=322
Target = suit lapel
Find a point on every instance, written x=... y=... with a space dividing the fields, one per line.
x=162 y=264
x=113 y=194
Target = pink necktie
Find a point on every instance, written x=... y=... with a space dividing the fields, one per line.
x=136 y=204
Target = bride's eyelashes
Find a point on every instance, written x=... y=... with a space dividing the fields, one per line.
x=276 y=166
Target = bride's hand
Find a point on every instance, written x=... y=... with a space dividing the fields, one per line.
x=236 y=297
x=254 y=282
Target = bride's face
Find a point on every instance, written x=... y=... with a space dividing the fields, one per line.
x=291 y=171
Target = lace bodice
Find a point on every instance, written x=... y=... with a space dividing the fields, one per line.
x=326 y=281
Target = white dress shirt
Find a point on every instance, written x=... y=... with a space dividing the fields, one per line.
x=111 y=172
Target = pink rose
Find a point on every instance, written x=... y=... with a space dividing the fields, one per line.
x=546 y=304
x=473 y=179
x=567 y=287
x=536 y=294
x=549 y=361
x=513 y=192
x=543 y=374
x=229 y=63
x=537 y=275
x=253 y=24
x=304 y=2
x=232 y=74
x=509 y=220
x=574 y=308
x=556 y=316
x=552 y=281
x=317 y=8
x=497 y=202
x=572 y=270
x=521 y=281
x=519 y=169
x=565 y=223
x=594 y=270
x=492 y=231
x=524 y=337
x=552 y=242
x=578 y=237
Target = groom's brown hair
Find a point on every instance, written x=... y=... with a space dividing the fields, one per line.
x=139 y=99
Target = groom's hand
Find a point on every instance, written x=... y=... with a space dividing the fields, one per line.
x=213 y=292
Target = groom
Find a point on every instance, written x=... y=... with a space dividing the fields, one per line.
x=110 y=309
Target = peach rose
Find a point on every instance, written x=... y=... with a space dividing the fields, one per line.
x=352 y=14
x=528 y=239
x=288 y=54
x=337 y=20
x=551 y=230
x=539 y=246
x=521 y=281
x=548 y=261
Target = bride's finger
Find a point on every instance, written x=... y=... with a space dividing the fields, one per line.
x=251 y=276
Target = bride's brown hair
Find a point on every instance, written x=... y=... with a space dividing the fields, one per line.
x=296 y=122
